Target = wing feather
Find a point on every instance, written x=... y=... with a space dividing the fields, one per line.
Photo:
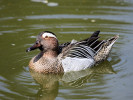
x=83 y=49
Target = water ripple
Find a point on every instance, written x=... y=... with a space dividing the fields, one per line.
x=123 y=18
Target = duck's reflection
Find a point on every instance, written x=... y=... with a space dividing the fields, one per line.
x=49 y=83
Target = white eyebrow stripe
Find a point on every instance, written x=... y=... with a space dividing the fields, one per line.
x=49 y=35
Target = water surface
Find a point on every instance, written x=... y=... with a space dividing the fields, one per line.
x=21 y=21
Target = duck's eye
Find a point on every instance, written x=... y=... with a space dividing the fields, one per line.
x=46 y=36
x=37 y=42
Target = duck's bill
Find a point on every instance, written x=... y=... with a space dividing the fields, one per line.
x=35 y=46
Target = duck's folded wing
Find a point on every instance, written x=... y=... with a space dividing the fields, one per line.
x=63 y=46
x=78 y=55
x=82 y=49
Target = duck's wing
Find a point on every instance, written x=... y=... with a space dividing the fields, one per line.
x=82 y=49
x=83 y=54
x=93 y=37
x=79 y=55
x=61 y=46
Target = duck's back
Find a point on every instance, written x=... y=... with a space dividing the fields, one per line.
x=77 y=56
x=86 y=53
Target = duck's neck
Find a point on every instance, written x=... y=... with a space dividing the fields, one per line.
x=50 y=54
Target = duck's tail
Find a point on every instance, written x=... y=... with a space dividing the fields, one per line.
x=104 y=50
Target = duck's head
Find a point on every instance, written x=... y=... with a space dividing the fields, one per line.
x=45 y=41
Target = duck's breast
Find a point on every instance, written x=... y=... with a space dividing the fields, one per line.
x=76 y=64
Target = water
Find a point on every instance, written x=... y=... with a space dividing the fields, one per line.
x=21 y=21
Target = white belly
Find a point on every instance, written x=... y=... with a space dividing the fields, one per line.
x=76 y=64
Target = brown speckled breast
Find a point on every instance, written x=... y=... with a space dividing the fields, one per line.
x=45 y=65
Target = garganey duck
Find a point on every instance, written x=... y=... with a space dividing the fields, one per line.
x=70 y=56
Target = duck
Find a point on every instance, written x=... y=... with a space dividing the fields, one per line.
x=70 y=56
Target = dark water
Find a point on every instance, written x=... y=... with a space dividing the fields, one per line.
x=22 y=20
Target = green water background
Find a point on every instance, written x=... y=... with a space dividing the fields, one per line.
x=22 y=20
